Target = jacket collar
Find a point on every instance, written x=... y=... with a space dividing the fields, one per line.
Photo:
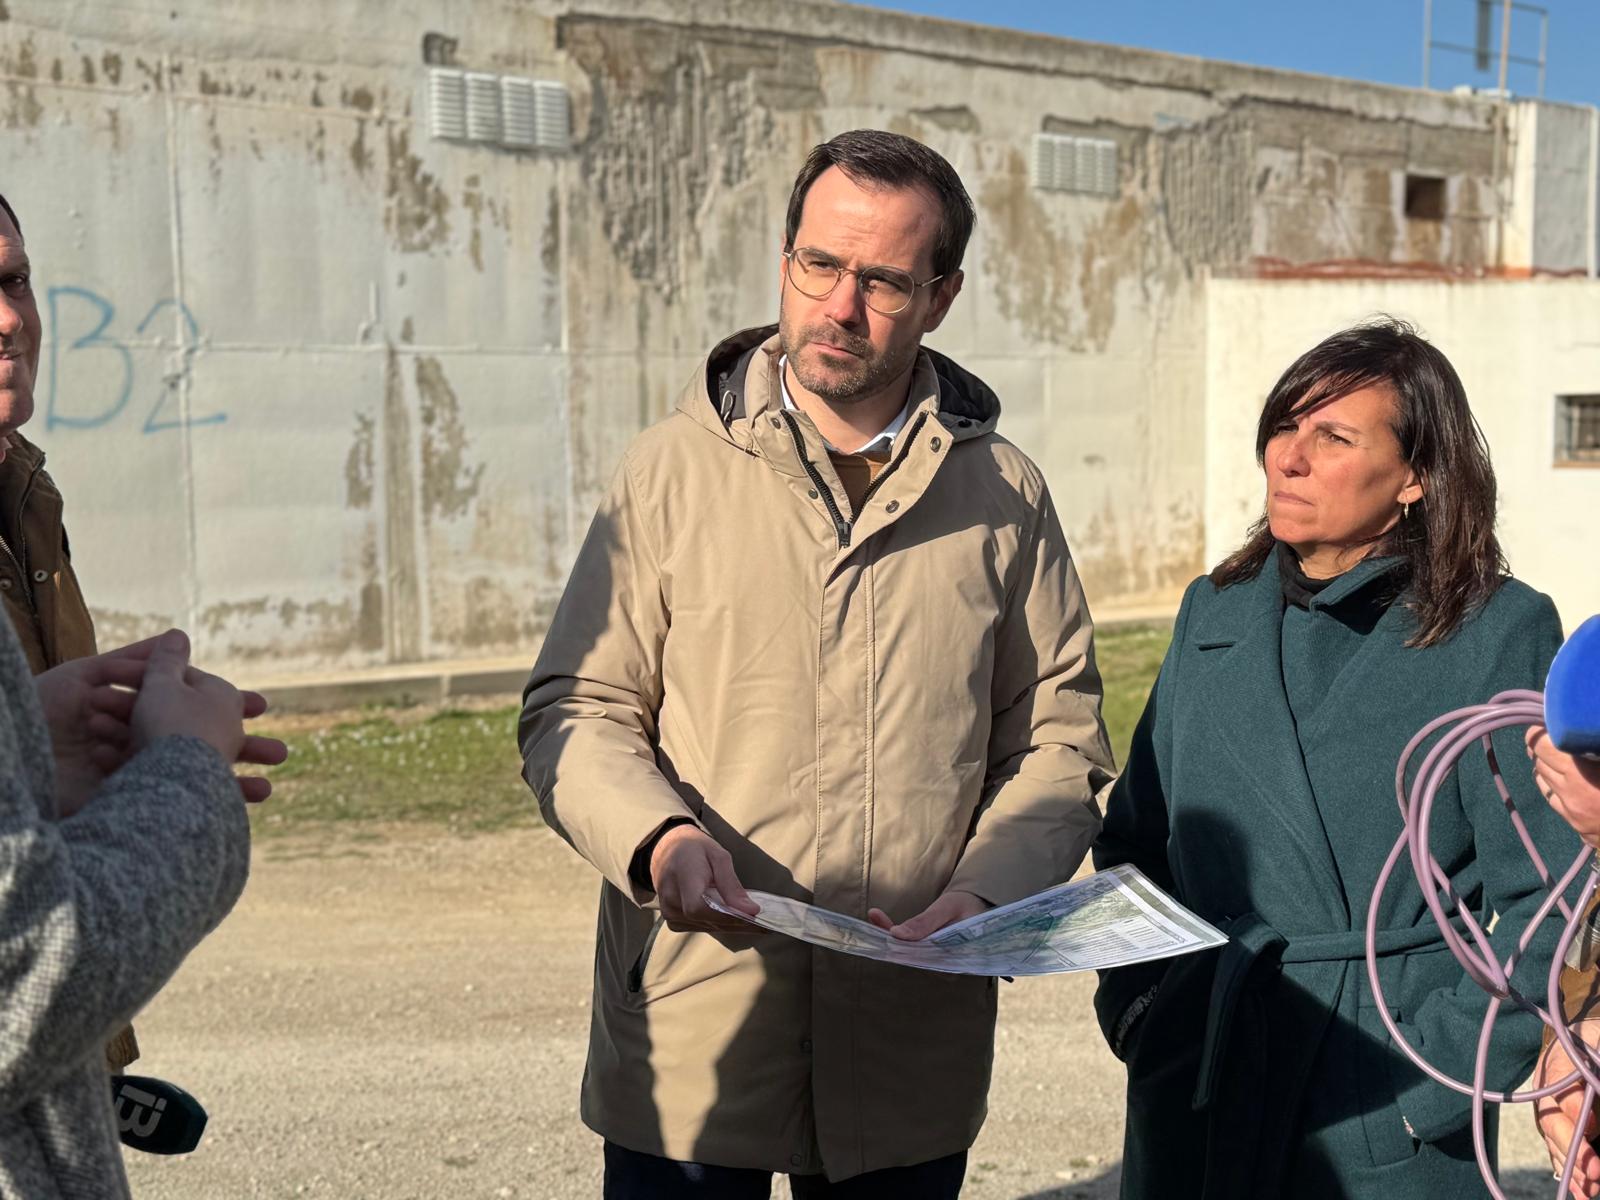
x=1242 y=607
x=28 y=457
x=21 y=474
x=739 y=383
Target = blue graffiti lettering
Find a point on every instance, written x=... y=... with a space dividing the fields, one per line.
x=152 y=424
x=94 y=339
x=161 y=417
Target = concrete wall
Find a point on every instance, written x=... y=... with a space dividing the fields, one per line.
x=1564 y=195
x=1554 y=188
x=336 y=395
x=1517 y=346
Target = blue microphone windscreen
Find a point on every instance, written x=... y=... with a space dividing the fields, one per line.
x=1572 y=692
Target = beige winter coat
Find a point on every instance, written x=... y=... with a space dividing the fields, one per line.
x=863 y=709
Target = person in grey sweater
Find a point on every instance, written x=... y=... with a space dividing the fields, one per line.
x=123 y=842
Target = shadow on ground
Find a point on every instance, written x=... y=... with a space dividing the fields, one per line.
x=1522 y=1184
x=1100 y=1187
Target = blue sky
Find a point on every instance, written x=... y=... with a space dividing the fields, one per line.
x=1380 y=40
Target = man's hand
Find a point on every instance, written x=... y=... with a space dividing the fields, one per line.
x=1557 y=1115
x=946 y=910
x=175 y=698
x=1572 y=785
x=687 y=863
x=86 y=710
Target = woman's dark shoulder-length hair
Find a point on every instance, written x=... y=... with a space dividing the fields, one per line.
x=1448 y=540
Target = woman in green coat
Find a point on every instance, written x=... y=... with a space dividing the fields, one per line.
x=1370 y=598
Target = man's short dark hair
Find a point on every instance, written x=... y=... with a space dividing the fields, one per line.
x=875 y=156
x=10 y=212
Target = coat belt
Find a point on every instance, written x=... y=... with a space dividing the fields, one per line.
x=1251 y=943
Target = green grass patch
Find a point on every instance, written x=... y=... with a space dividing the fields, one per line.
x=453 y=768
x=458 y=769
x=1129 y=660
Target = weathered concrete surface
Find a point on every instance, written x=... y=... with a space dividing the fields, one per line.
x=1517 y=346
x=336 y=395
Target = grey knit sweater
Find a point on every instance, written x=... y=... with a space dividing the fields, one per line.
x=96 y=913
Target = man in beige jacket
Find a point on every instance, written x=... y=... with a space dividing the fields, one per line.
x=824 y=639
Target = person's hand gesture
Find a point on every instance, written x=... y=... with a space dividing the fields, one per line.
x=86 y=707
x=946 y=910
x=1570 y=784
x=1557 y=1116
x=103 y=709
x=685 y=865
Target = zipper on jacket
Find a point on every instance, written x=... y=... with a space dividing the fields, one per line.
x=916 y=427
x=841 y=527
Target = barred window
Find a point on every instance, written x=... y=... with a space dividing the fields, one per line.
x=1578 y=429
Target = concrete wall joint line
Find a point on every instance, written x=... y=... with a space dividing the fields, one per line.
x=179 y=378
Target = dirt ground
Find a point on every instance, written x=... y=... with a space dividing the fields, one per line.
x=403 y=1014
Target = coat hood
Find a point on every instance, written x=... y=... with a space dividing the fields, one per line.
x=720 y=401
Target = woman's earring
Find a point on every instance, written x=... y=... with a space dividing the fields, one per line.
x=1405 y=510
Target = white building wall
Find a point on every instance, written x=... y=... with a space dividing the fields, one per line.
x=1517 y=345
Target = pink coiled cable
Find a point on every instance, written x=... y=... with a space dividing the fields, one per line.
x=1477 y=724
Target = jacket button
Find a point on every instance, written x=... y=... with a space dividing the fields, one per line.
x=777 y=424
x=964 y=423
x=795 y=1159
x=892 y=506
x=40 y=576
x=936 y=443
x=5 y=585
x=812 y=493
x=805 y=1044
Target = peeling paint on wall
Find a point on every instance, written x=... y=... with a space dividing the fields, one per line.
x=359 y=464
x=402 y=582
x=1060 y=287
x=23 y=110
x=360 y=152
x=320 y=627
x=957 y=118
x=417 y=209
x=676 y=117
x=449 y=481
x=113 y=627
x=1204 y=179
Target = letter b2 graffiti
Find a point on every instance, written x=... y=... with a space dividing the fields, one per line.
x=81 y=323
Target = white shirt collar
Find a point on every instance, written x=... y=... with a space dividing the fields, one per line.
x=883 y=440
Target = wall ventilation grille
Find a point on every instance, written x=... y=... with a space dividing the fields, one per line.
x=447 y=104
x=483 y=107
x=1065 y=163
x=501 y=110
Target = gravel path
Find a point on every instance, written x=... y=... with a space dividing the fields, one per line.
x=404 y=1014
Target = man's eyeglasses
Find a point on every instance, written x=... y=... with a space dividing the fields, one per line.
x=886 y=290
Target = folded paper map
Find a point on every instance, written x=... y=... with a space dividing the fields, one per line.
x=1109 y=919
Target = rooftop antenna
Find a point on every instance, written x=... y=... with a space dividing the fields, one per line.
x=1483 y=49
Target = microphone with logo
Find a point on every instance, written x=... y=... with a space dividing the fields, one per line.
x=156 y=1116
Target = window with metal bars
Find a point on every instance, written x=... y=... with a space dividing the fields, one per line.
x=1578 y=429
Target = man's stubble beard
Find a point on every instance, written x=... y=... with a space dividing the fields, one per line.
x=868 y=376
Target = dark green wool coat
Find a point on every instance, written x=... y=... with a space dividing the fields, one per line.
x=1262 y=1069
